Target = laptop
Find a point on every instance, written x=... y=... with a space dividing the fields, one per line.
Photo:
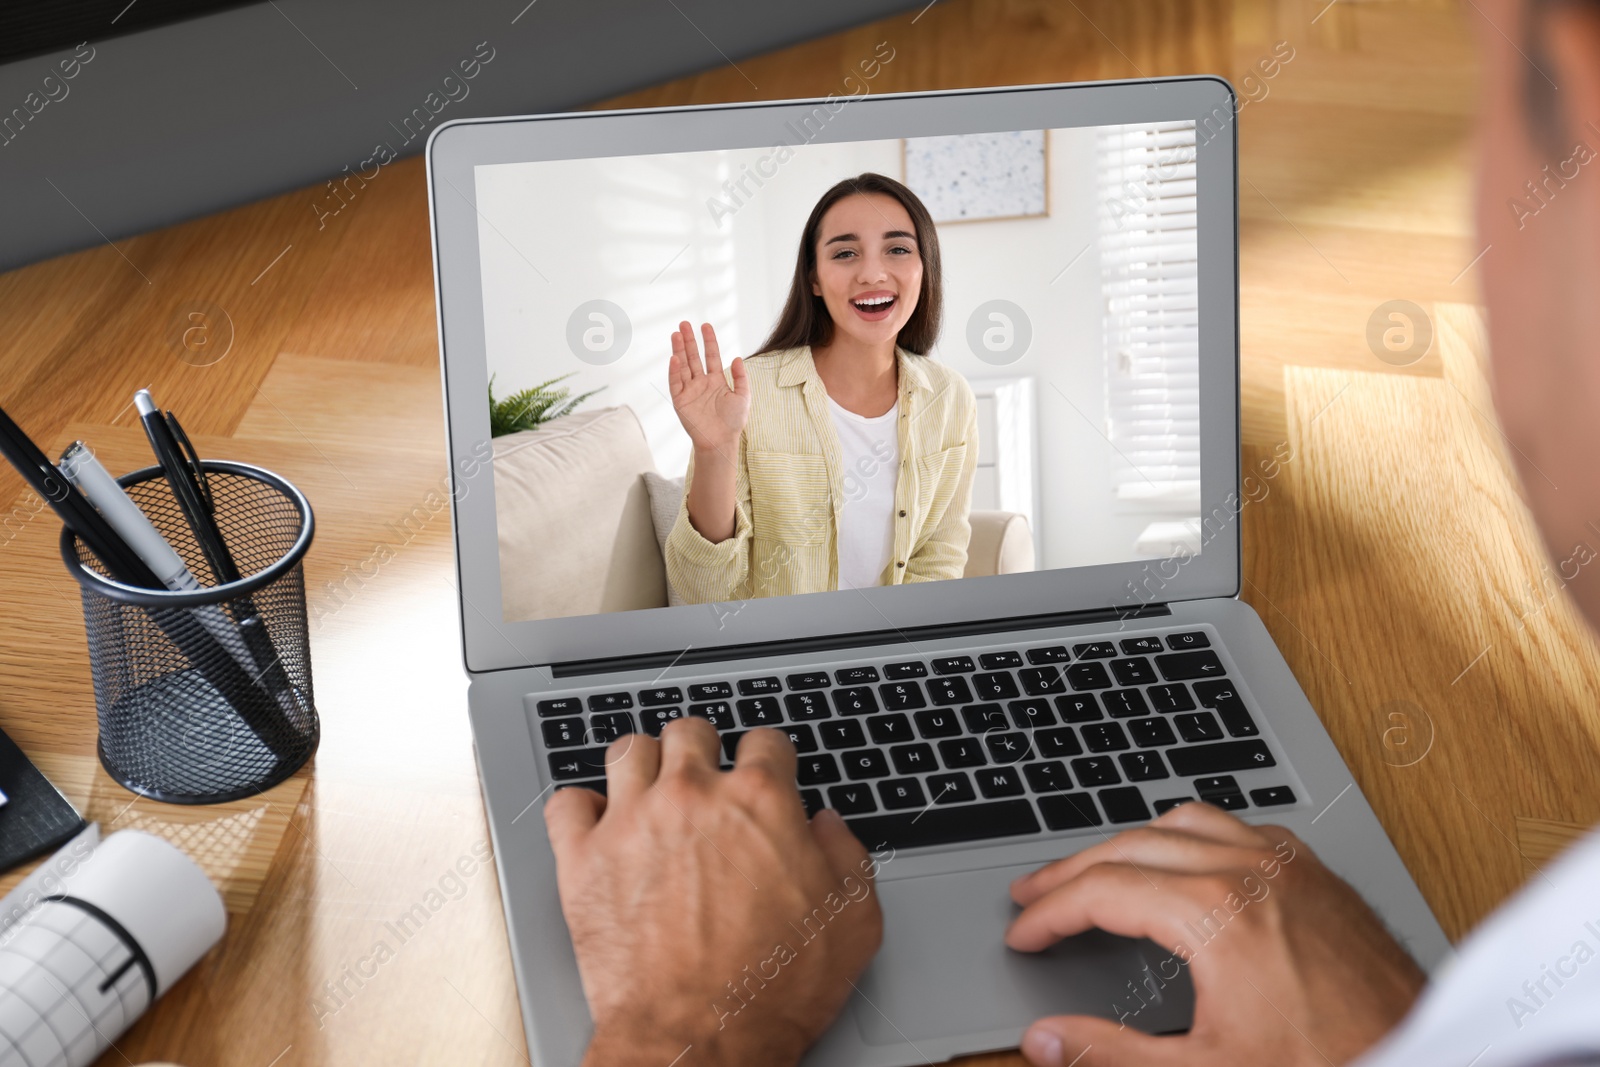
x=1079 y=665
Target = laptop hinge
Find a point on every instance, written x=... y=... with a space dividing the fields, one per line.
x=859 y=639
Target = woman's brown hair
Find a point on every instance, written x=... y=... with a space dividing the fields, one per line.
x=805 y=319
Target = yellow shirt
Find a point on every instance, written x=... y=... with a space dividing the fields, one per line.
x=788 y=489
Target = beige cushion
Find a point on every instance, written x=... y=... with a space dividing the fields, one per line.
x=666 y=497
x=1001 y=543
x=574 y=518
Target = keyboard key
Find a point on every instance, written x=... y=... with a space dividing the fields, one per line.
x=653 y=719
x=560 y=706
x=760 y=711
x=1124 y=805
x=812 y=799
x=1096 y=770
x=809 y=680
x=999 y=661
x=1136 y=646
x=718 y=712
x=912 y=669
x=806 y=706
x=1069 y=811
x=1104 y=737
x=999 y=686
x=889 y=729
x=1124 y=703
x=1008 y=748
x=900 y=793
x=999 y=782
x=844 y=733
x=913 y=759
x=818 y=769
x=1088 y=676
x=1181 y=666
x=578 y=763
x=1048 y=654
x=607 y=728
x=902 y=696
x=855 y=675
x=961 y=752
x=610 y=701
x=759 y=686
x=1198 y=726
x=1183 y=641
x=981 y=718
x=1133 y=671
x=711 y=691
x=865 y=763
x=656 y=697
x=1060 y=741
x=858 y=701
x=1042 y=681
x=953 y=788
x=947 y=691
x=1143 y=766
x=804 y=740
x=1095 y=650
x=1221 y=696
x=730 y=744
x=940 y=722
x=564 y=733
x=1170 y=698
x=852 y=799
x=954 y=665
x=1210 y=787
x=1031 y=714
x=1272 y=796
x=1048 y=777
x=1166 y=805
x=1078 y=708
x=946 y=826
x=1152 y=733
x=1220 y=757
x=1229 y=801
x=598 y=785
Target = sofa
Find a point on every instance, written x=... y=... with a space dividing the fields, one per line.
x=578 y=534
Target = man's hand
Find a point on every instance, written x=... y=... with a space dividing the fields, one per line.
x=1289 y=964
x=711 y=921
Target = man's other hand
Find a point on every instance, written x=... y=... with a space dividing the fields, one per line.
x=1290 y=966
x=713 y=923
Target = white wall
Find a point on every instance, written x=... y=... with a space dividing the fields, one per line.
x=637 y=231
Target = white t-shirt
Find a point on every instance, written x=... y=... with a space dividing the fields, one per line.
x=1524 y=988
x=869 y=451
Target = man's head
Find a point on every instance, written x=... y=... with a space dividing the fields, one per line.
x=1538 y=208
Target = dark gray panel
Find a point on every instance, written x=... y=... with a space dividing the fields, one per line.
x=190 y=118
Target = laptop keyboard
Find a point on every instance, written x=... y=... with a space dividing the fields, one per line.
x=918 y=752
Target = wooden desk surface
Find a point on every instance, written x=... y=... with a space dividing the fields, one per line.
x=1390 y=557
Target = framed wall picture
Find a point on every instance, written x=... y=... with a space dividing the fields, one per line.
x=970 y=177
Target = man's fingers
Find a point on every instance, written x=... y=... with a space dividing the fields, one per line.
x=632 y=763
x=770 y=750
x=689 y=746
x=1118 y=898
x=1148 y=846
x=846 y=854
x=1085 y=1041
x=569 y=815
x=1209 y=821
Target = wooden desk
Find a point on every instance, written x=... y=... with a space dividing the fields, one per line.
x=1390 y=557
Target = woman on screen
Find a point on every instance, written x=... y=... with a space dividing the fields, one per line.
x=839 y=456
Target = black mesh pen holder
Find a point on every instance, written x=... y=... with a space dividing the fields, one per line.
x=205 y=696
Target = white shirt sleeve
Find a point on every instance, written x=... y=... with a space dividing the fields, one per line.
x=1522 y=989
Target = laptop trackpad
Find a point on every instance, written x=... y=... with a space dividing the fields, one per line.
x=944 y=969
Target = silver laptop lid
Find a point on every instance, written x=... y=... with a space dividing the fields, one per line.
x=1088 y=248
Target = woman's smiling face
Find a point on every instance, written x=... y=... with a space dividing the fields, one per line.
x=869 y=269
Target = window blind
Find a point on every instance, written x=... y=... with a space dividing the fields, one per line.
x=1151 y=336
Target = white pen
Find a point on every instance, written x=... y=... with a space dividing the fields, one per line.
x=80 y=468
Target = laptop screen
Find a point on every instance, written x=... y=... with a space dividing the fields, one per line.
x=957 y=356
